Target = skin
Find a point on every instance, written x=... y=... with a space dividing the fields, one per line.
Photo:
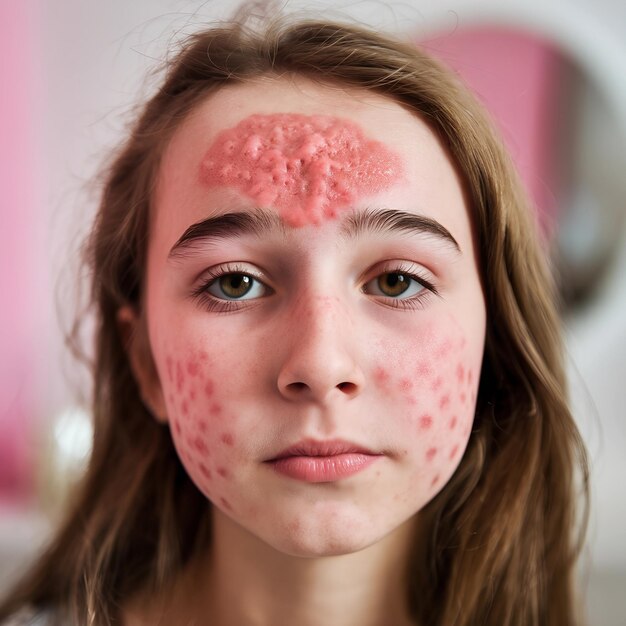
x=316 y=350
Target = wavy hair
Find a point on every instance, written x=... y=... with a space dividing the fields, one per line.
x=497 y=546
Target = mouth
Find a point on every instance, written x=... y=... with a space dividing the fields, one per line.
x=322 y=461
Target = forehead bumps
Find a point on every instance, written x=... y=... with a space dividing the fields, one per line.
x=307 y=167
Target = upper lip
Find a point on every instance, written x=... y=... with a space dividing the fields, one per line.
x=330 y=447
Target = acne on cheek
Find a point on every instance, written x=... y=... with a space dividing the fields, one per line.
x=200 y=428
x=437 y=385
x=307 y=167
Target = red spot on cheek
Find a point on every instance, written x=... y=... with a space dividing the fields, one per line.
x=453 y=452
x=463 y=397
x=434 y=481
x=199 y=444
x=177 y=427
x=406 y=384
x=453 y=423
x=226 y=504
x=437 y=383
x=460 y=373
x=444 y=401
x=192 y=394
x=205 y=471
x=381 y=375
x=227 y=438
x=423 y=369
x=215 y=409
x=203 y=427
x=203 y=356
x=425 y=422
x=193 y=368
x=180 y=379
x=170 y=369
x=223 y=472
x=431 y=453
x=185 y=408
x=208 y=388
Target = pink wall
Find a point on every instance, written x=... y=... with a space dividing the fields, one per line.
x=21 y=260
x=519 y=78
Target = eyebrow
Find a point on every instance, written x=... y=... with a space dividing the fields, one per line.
x=261 y=221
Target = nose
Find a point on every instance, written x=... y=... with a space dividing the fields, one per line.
x=320 y=361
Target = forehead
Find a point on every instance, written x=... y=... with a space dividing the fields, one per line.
x=428 y=182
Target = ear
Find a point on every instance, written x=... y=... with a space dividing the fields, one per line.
x=134 y=333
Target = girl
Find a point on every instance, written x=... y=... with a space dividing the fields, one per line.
x=328 y=384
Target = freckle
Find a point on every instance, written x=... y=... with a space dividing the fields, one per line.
x=406 y=384
x=223 y=472
x=205 y=471
x=226 y=504
x=460 y=373
x=434 y=481
x=462 y=397
x=453 y=422
x=215 y=409
x=193 y=368
x=453 y=452
x=200 y=445
x=202 y=426
x=227 y=438
x=444 y=401
x=425 y=422
x=430 y=454
x=437 y=383
x=208 y=388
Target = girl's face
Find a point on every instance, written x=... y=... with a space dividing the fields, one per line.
x=314 y=311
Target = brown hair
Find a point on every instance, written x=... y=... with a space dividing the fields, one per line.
x=497 y=545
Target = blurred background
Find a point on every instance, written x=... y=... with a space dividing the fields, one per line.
x=553 y=74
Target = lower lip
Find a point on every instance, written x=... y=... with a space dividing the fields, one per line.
x=323 y=469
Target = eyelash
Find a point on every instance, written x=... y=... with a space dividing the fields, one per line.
x=214 y=304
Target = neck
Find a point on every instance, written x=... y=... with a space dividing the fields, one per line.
x=255 y=584
x=245 y=581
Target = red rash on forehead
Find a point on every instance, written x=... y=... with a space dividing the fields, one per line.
x=307 y=167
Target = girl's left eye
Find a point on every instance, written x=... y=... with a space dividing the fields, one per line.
x=236 y=286
x=399 y=285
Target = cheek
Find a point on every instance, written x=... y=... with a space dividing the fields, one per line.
x=433 y=387
x=203 y=429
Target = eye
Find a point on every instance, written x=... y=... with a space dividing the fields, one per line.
x=399 y=284
x=236 y=286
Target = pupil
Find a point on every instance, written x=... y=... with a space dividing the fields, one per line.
x=236 y=285
x=393 y=284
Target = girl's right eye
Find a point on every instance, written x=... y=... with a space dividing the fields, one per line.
x=236 y=286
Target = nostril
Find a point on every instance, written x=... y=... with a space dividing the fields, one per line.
x=347 y=387
x=297 y=386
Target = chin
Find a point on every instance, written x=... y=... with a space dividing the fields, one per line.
x=324 y=539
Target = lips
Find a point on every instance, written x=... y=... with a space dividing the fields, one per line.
x=322 y=461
